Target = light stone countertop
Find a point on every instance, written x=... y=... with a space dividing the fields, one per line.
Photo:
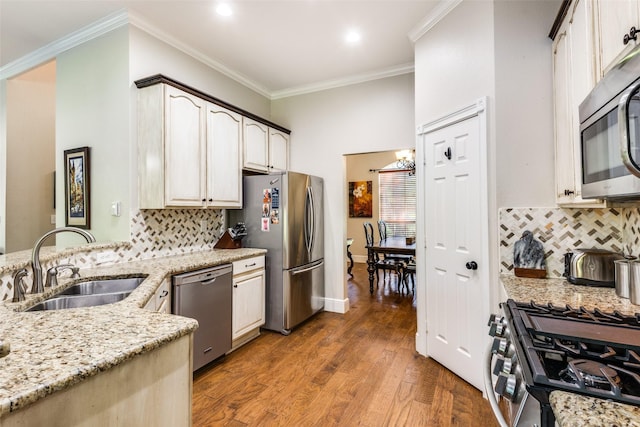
x=570 y=409
x=52 y=350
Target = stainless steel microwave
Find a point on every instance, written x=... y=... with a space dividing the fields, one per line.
x=610 y=133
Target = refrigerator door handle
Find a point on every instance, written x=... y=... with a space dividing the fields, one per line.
x=304 y=270
x=310 y=220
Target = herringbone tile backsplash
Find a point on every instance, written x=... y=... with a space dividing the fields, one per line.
x=561 y=230
x=163 y=232
x=154 y=233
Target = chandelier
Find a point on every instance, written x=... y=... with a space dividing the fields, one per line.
x=405 y=160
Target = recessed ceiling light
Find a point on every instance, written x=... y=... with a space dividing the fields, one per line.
x=352 y=37
x=224 y=9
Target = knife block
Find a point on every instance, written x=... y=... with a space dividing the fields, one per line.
x=226 y=242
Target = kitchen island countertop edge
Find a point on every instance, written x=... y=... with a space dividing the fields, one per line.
x=53 y=350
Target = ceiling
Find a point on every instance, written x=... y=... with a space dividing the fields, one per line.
x=275 y=47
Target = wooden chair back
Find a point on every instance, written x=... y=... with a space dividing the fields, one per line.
x=368 y=233
x=382 y=229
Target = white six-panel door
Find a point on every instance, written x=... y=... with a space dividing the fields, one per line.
x=456 y=253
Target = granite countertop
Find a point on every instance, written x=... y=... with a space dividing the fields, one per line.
x=52 y=350
x=570 y=409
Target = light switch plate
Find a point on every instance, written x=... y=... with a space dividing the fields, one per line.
x=115 y=209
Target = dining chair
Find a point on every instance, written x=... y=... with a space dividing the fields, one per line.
x=409 y=272
x=382 y=264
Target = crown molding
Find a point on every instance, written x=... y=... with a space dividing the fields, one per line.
x=122 y=17
x=53 y=49
x=245 y=81
x=332 y=84
x=143 y=25
x=440 y=11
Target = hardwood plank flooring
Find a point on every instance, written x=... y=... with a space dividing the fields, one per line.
x=356 y=369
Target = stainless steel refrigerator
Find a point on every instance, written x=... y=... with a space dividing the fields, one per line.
x=283 y=213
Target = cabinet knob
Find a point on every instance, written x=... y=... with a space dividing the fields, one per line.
x=204 y=200
x=633 y=35
x=471 y=265
x=210 y=200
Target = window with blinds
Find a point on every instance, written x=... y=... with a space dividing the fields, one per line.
x=397 y=192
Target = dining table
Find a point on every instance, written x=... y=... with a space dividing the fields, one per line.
x=390 y=245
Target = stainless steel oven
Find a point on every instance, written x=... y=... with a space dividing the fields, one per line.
x=540 y=348
x=504 y=383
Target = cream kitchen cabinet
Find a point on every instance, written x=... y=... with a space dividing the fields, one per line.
x=154 y=388
x=224 y=157
x=266 y=149
x=189 y=151
x=278 y=150
x=248 y=299
x=574 y=75
x=612 y=21
x=161 y=300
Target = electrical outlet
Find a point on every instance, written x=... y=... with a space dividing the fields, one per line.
x=105 y=257
x=203 y=226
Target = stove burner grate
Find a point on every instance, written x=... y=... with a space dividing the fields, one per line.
x=583 y=351
x=588 y=373
x=581 y=313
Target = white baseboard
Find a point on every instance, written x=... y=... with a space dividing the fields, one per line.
x=336 y=305
x=360 y=258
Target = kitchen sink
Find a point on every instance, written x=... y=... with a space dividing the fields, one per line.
x=75 y=301
x=106 y=286
x=90 y=293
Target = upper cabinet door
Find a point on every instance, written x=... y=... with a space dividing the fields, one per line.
x=612 y=20
x=564 y=148
x=185 y=141
x=224 y=161
x=573 y=78
x=278 y=150
x=256 y=145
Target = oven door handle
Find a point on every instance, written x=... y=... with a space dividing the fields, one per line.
x=488 y=388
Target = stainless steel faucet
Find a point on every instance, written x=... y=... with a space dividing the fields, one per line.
x=35 y=255
x=18 y=286
x=52 y=274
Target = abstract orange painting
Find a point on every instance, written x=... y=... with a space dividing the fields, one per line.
x=360 y=199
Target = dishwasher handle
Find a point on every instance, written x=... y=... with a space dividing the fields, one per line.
x=205 y=276
x=208 y=282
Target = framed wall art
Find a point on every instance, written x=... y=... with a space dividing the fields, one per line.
x=76 y=187
x=360 y=199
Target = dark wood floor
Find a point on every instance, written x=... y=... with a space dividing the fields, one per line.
x=360 y=368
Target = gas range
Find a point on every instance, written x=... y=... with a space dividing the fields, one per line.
x=545 y=348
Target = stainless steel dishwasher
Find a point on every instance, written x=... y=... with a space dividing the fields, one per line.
x=206 y=295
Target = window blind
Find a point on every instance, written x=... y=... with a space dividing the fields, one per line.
x=397 y=194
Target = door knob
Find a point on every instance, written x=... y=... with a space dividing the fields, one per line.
x=471 y=265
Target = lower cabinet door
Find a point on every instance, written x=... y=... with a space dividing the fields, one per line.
x=248 y=302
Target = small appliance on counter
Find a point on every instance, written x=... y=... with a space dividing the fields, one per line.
x=592 y=267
